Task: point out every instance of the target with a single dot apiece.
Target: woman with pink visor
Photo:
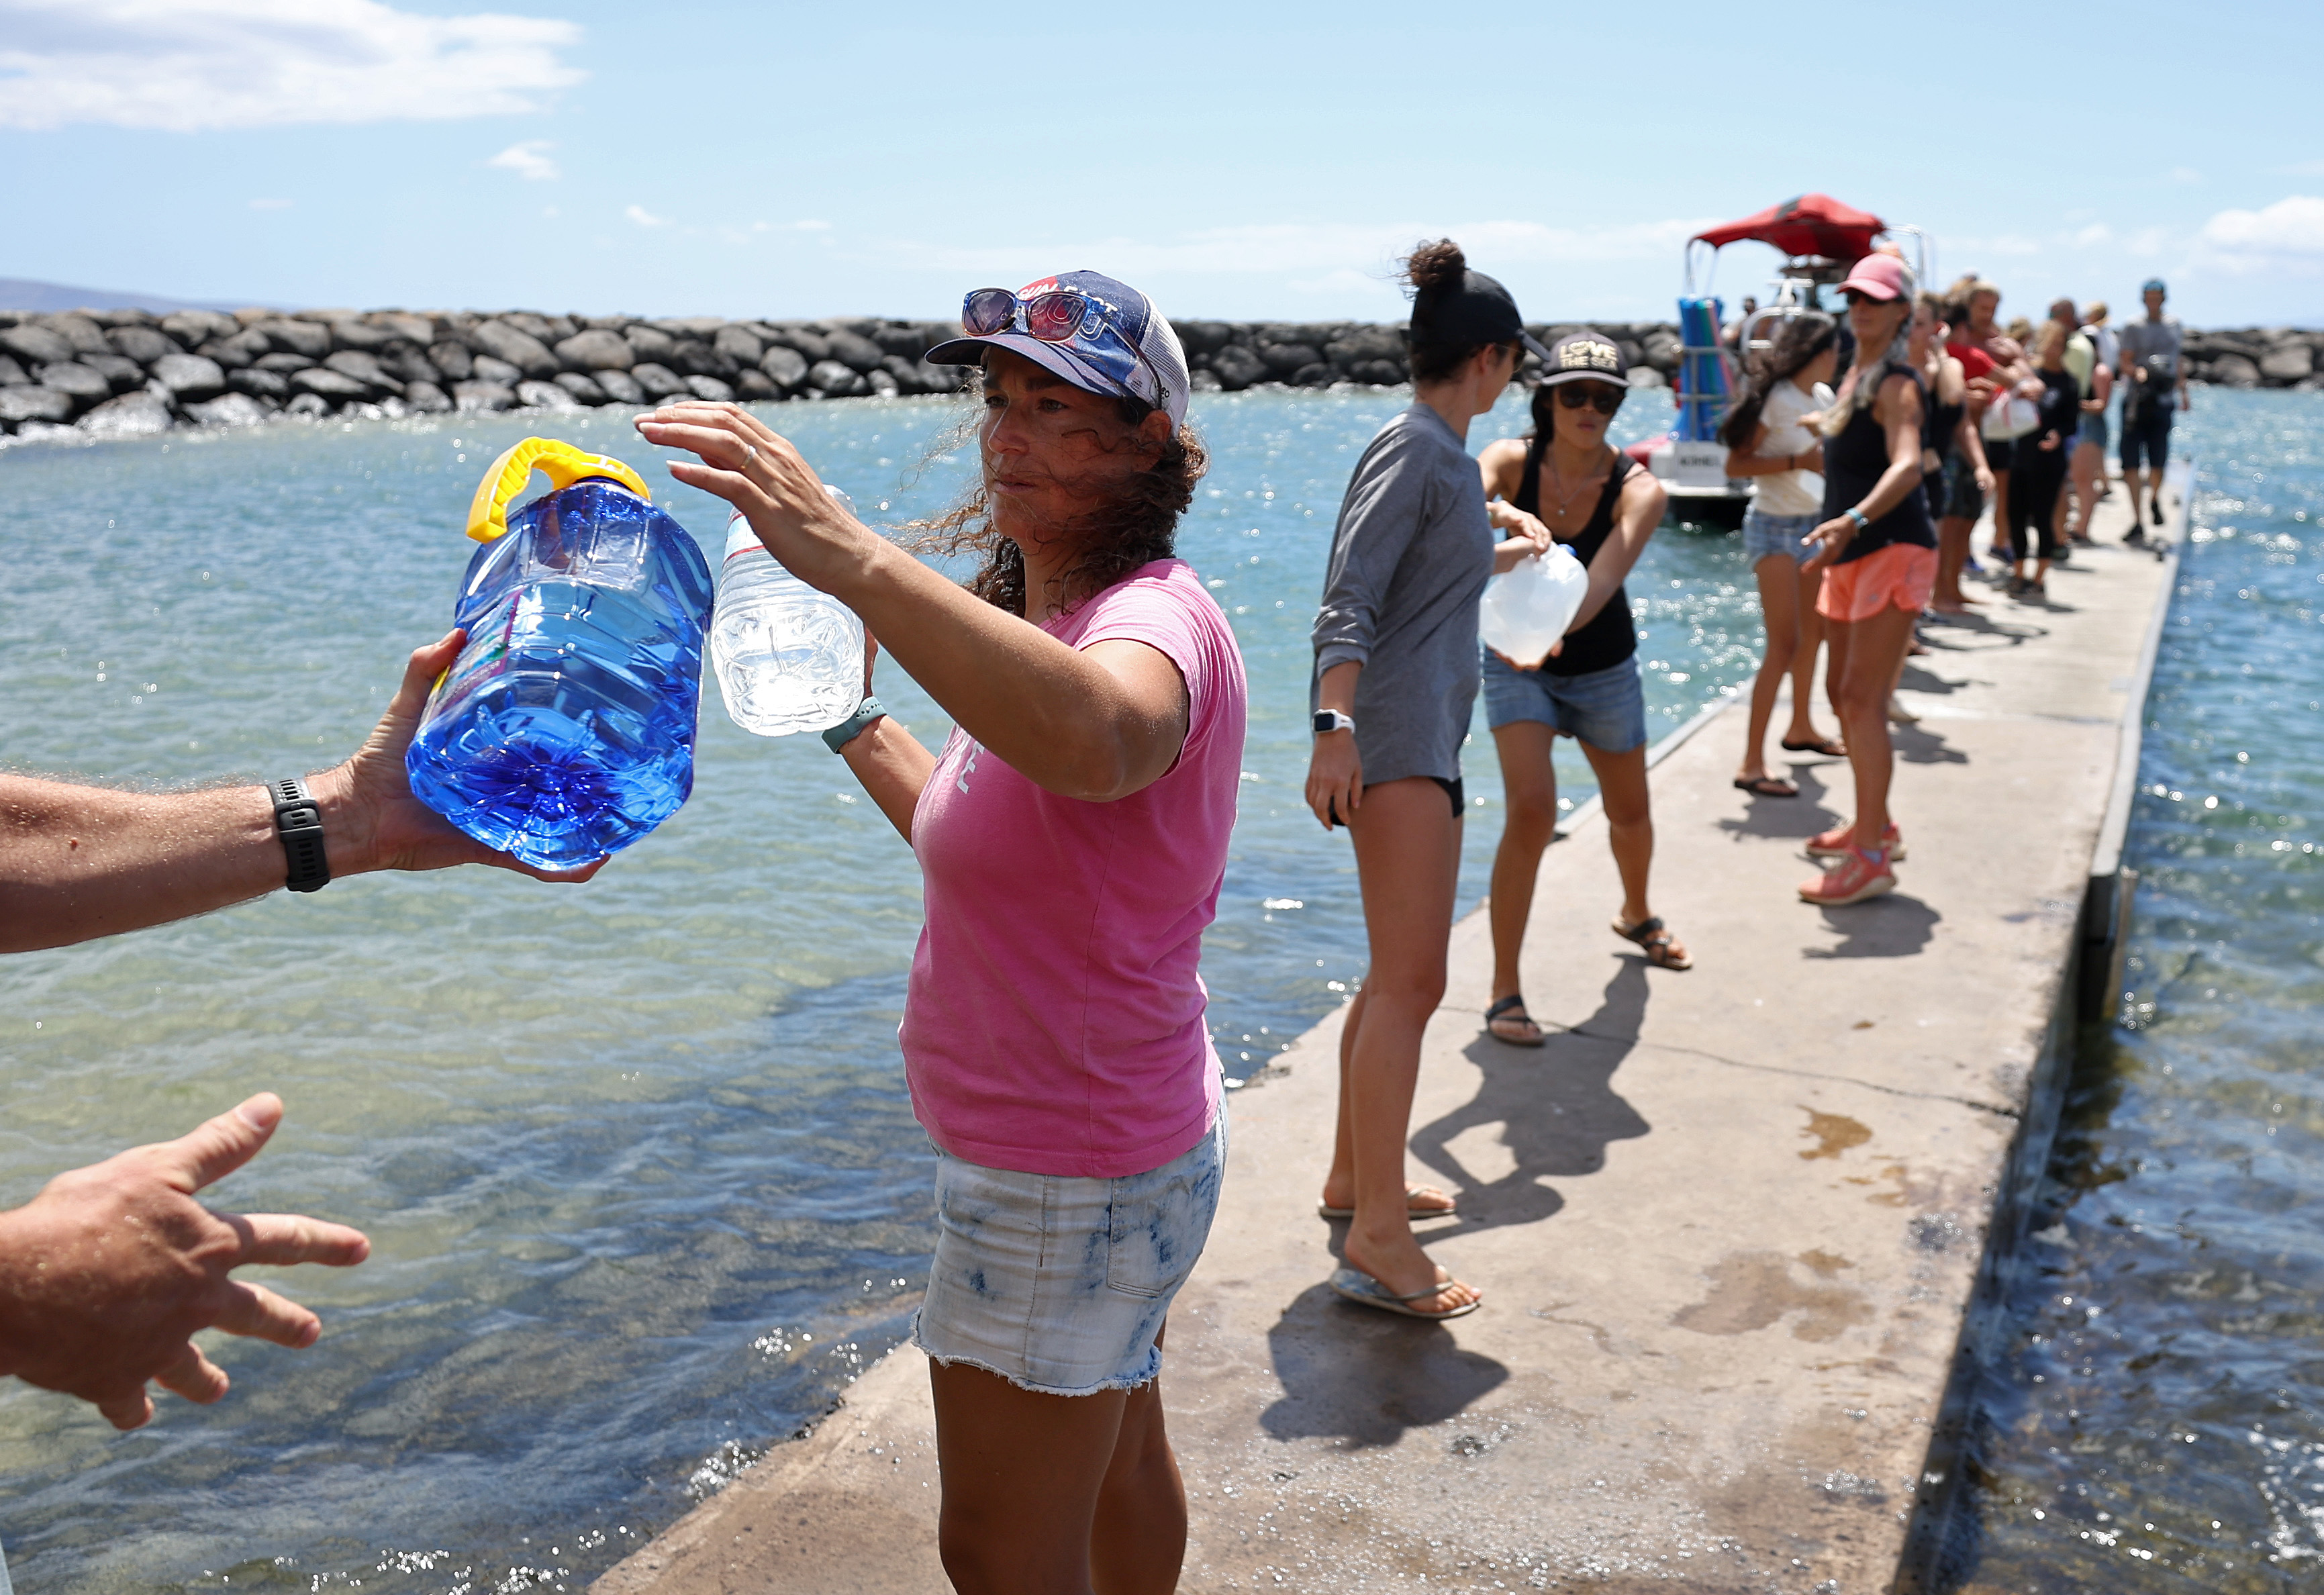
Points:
(1072, 834)
(1878, 555)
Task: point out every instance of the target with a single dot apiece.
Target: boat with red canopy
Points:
(1819, 239)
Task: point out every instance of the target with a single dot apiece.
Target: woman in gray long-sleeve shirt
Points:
(1396, 675)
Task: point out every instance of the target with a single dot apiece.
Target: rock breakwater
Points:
(123, 372)
(104, 373)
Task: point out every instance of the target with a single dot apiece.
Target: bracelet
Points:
(855, 724)
(1858, 516)
(300, 824)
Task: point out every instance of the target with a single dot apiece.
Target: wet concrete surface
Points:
(1726, 1221)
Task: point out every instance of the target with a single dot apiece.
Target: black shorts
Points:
(1962, 501)
(2000, 453)
(2145, 429)
(1456, 789)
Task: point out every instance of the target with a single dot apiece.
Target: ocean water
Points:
(643, 1187)
(2158, 1423)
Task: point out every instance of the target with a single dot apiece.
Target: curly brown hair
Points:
(1136, 525)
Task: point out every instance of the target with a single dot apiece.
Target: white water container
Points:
(1528, 607)
(788, 658)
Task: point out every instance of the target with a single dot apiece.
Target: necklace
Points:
(1549, 460)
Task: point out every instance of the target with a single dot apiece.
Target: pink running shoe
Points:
(1836, 842)
(1854, 877)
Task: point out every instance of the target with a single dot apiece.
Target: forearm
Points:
(1760, 464)
(77, 862)
(894, 768)
(1901, 477)
(1048, 710)
(1337, 689)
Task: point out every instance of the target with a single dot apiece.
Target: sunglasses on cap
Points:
(1600, 398)
(1061, 316)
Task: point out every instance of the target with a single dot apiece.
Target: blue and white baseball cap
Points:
(1099, 334)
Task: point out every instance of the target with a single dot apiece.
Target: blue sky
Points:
(1233, 160)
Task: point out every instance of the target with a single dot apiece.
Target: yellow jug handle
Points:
(559, 461)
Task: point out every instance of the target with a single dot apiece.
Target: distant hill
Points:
(18, 293)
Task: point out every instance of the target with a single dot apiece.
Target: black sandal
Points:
(1766, 786)
(1513, 1010)
(1658, 943)
(1821, 745)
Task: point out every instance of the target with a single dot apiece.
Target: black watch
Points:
(1332, 720)
(300, 824)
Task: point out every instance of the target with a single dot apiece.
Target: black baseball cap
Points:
(1586, 356)
(1479, 311)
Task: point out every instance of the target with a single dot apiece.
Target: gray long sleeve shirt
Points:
(1409, 563)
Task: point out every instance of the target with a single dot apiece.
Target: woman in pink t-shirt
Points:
(1073, 834)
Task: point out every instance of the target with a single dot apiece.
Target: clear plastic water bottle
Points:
(788, 658)
(565, 730)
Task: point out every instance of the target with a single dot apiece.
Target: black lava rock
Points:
(144, 344)
(25, 402)
(427, 398)
(659, 381)
(550, 396)
(648, 342)
(1284, 360)
(739, 344)
(453, 358)
(784, 366)
(189, 377)
(365, 369)
(295, 338)
(228, 409)
(132, 415)
(244, 349)
(835, 380)
(1202, 339)
(412, 366)
(596, 349)
(284, 364)
(808, 341)
(259, 383)
(121, 370)
(620, 386)
(1321, 375)
(487, 368)
(35, 345)
(854, 351)
(583, 390)
(519, 348)
(710, 390)
(1237, 367)
(84, 384)
(327, 383)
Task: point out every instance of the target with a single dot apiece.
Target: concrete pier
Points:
(1729, 1222)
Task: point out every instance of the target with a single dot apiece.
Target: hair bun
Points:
(1437, 265)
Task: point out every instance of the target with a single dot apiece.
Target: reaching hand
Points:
(109, 1273)
(1831, 538)
(754, 468)
(371, 820)
(1335, 778)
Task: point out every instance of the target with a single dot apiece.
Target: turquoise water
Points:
(643, 1184)
(2159, 1422)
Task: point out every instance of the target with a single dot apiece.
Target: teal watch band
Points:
(1858, 516)
(854, 725)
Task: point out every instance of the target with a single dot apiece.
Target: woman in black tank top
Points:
(1879, 560)
(1598, 501)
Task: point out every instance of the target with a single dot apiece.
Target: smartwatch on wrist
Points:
(299, 825)
(1332, 720)
(855, 724)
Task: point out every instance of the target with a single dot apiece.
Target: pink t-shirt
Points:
(1054, 1021)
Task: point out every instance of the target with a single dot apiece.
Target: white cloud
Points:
(644, 217)
(528, 160)
(2288, 233)
(185, 65)
(271, 204)
(2091, 237)
(2184, 174)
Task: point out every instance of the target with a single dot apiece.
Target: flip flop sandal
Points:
(1822, 744)
(1650, 935)
(1513, 1008)
(1766, 786)
(1365, 1291)
(1411, 1210)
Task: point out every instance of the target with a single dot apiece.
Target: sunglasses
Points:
(1062, 316)
(1600, 398)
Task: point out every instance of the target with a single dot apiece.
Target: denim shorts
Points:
(1604, 708)
(1058, 1284)
(2093, 429)
(1777, 534)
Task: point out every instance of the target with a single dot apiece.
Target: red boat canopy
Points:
(1813, 224)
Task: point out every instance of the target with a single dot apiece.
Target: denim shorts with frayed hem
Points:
(1057, 1284)
(1777, 534)
(1605, 709)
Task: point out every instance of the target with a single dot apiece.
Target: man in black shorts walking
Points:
(2155, 385)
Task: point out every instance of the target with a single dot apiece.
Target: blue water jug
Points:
(565, 729)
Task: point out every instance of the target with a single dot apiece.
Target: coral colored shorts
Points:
(1902, 574)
